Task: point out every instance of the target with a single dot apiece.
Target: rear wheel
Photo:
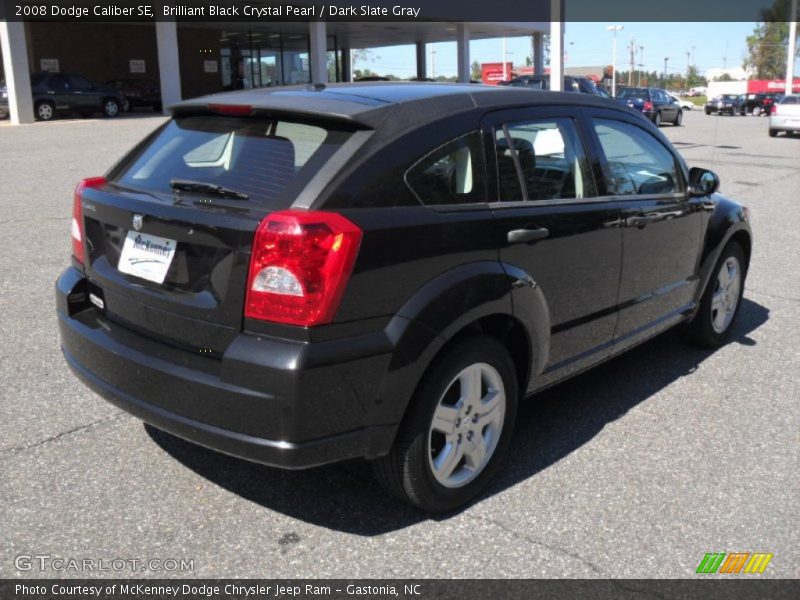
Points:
(45, 111)
(719, 306)
(457, 428)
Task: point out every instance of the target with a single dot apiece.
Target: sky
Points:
(589, 44)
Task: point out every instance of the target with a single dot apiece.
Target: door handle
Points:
(641, 220)
(521, 236)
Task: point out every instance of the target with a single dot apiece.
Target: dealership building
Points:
(190, 59)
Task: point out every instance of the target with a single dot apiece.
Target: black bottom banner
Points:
(389, 589)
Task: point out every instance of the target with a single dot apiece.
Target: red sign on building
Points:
(775, 86)
(493, 73)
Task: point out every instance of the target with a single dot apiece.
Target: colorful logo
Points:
(734, 562)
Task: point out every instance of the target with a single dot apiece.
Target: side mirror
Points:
(702, 182)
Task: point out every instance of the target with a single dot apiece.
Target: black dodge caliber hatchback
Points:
(384, 270)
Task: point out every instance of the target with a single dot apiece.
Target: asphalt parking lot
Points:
(635, 469)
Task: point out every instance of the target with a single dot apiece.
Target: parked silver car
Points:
(785, 116)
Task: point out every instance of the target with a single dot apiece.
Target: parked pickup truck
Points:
(785, 116)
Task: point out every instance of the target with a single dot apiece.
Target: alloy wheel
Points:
(726, 294)
(45, 112)
(466, 425)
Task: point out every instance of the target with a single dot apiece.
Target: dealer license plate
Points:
(146, 256)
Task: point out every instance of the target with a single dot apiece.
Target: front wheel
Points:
(457, 428)
(110, 107)
(678, 119)
(757, 111)
(719, 306)
(45, 111)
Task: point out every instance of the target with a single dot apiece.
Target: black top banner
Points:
(263, 11)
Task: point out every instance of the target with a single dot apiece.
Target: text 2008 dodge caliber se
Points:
(383, 271)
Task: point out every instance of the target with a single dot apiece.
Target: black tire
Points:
(45, 111)
(701, 329)
(657, 119)
(773, 133)
(708, 112)
(110, 108)
(678, 119)
(406, 472)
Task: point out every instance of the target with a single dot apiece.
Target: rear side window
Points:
(541, 160)
(256, 156)
(638, 163)
(451, 174)
(790, 100)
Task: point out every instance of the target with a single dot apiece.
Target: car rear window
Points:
(639, 93)
(259, 157)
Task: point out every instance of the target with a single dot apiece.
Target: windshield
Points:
(630, 93)
(257, 157)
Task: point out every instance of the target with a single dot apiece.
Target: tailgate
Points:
(168, 237)
(199, 303)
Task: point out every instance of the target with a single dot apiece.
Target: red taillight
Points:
(77, 215)
(648, 106)
(232, 110)
(299, 266)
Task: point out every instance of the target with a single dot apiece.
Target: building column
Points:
(347, 65)
(422, 61)
(462, 48)
(318, 51)
(18, 78)
(169, 69)
(538, 53)
(556, 46)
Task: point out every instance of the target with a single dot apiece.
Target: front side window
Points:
(79, 84)
(451, 174)
(541, 160)
(638, 163)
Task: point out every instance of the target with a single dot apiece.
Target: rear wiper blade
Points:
(187, 185)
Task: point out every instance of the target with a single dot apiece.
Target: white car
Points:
(684, 104)
(785, 116)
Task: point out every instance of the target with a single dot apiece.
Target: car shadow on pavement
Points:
(550, 426)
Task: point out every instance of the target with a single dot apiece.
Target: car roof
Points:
(369, 104)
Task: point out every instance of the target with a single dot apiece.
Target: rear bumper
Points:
(273, 401)
(784, 123)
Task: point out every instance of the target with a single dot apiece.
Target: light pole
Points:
(505, 73)
(614, 29)
(791, 50)
(641, 64)
(664, 85)
(433, 63)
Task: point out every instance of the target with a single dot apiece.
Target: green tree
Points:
(766, 47)
(723, 77)
(476, 70)
(694, 79)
